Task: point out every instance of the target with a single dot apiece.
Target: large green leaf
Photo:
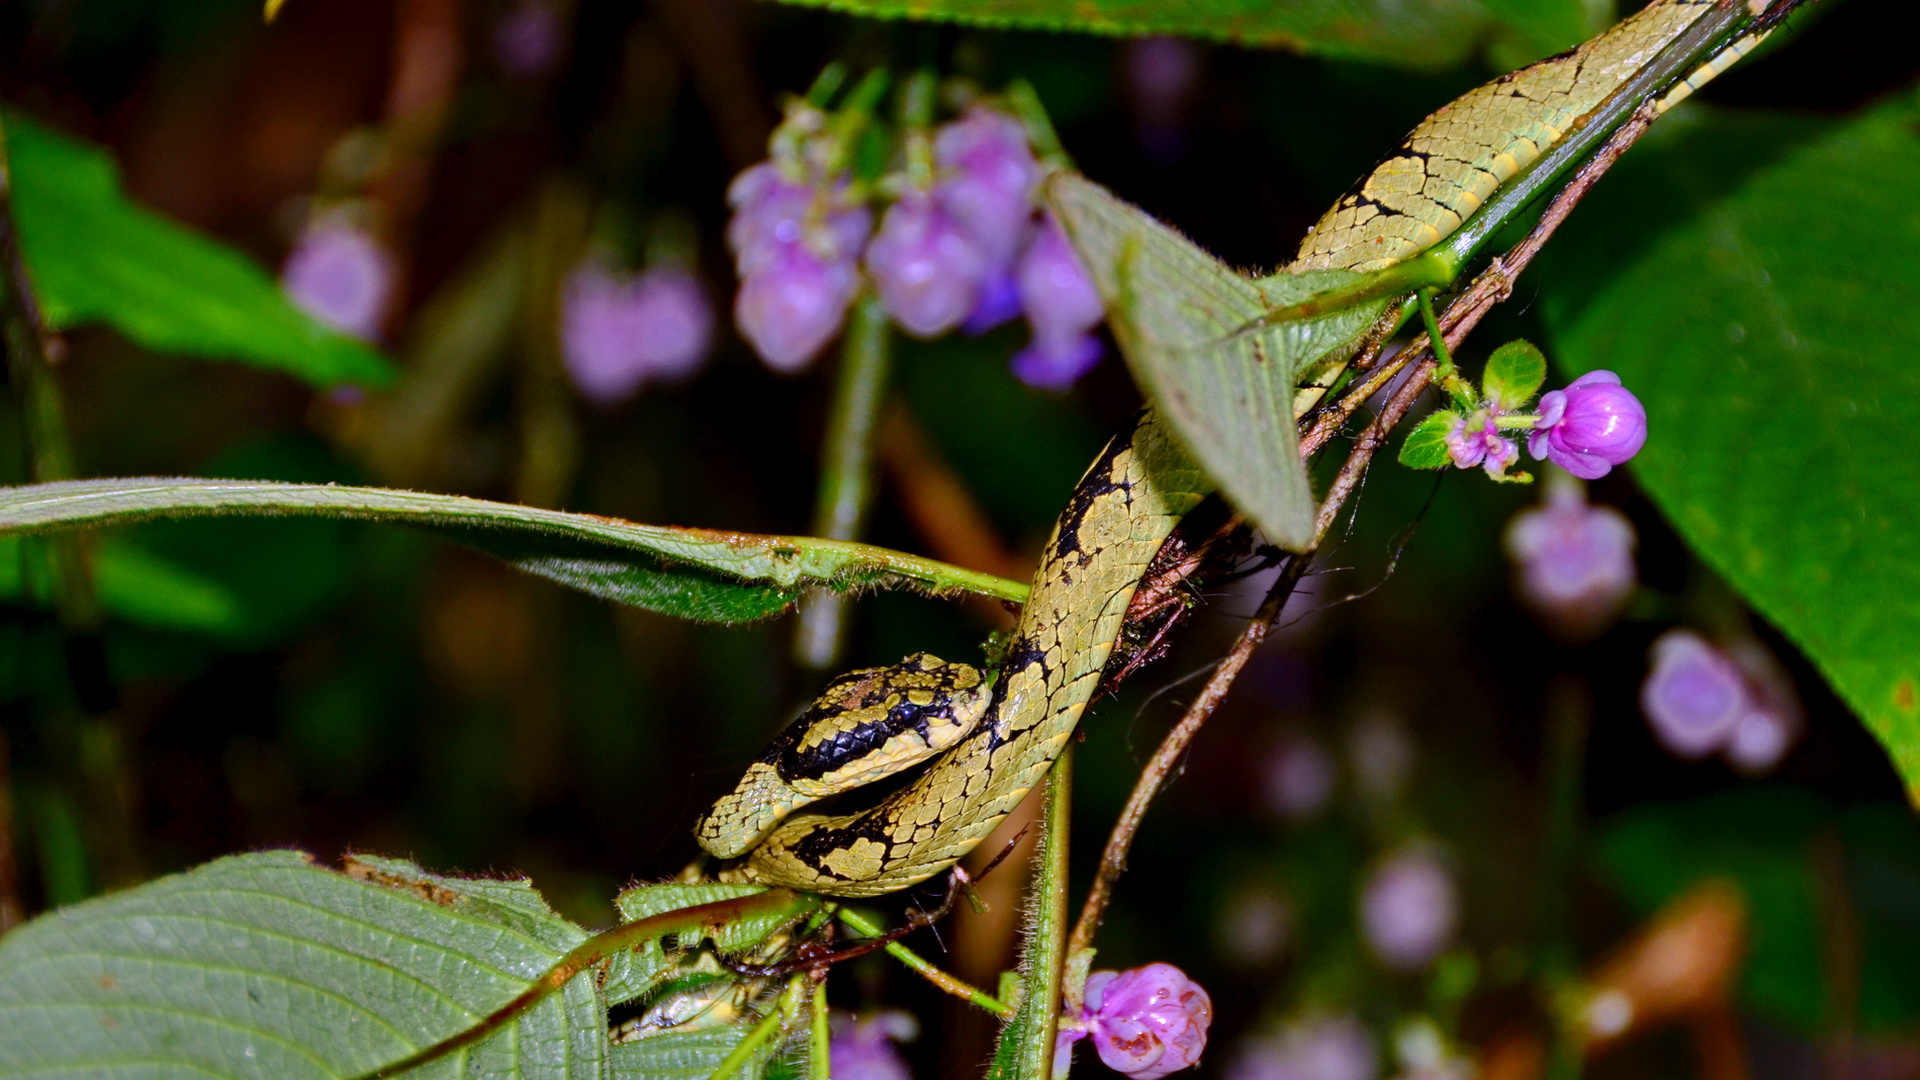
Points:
(701, 574)
(1181, 318)
(95, 256)
(266, 965)
(1750, 276)
(1414, 33)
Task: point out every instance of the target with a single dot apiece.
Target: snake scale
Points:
(990, 742)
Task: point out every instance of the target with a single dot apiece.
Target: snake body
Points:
(986, 756)
(1120, 513)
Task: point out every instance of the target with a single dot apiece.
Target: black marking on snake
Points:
(818, 846)
(1097, 485)
(818, 759)
(1022, 655)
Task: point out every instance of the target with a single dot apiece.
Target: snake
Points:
(986, 740)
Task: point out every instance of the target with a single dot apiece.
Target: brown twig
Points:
(1460, 318)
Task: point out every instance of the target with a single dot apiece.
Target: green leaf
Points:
(701, 574)
(96, 256)
(131, 583)
(1744, 278)
(1514, 374)
(1414, 33)
(266, 965)
(1183, 320)
(1425, 446)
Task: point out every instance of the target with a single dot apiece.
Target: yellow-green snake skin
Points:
(1121, 512)
(1130, 500)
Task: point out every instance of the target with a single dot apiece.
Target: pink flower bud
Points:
(1575, 559)
(1147, 1022)
(1694, 696)
(1409, 909)
(1591, 426)
(341, 276)
(927, 271)
(792, 304)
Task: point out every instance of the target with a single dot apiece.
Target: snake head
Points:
(865, 726)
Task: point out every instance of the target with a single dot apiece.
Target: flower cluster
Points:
(620, 331)
(1145, 1022)
(1701, 700)
(1575, 558)
(1586, 429)
(963, 244)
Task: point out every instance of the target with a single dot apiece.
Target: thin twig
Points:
(1459, 320)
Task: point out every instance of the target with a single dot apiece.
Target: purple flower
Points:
(619, 331)
(1700, 699)
(1299, 778)
(526, 40)
(1475, 441)
(1057, 363)
(1575, 559)
(1062, 310)
(989, 178)
(1146, 1022)
(863, 1049)
(794, 246)
(927, 271)
(792, 304)
(341, 276)
(998, 302)
(1591, 426)
(1409, 909)
(1056, 292)
(1316, 1048)
(1694, 697)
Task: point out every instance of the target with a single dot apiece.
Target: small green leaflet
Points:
(1426, 445)
(703, 574)
(1514, 374)
(1183, 320)
(96, 256)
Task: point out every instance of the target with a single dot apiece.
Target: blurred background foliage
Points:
(338, 686)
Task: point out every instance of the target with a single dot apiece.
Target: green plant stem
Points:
(762, 1031)
(959, 988)
(698, 919)
(846, 476)
(1026, 1051)
(819, 1036)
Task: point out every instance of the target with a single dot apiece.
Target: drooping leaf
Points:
(637, 972)
(1514, 374)
(1425, 446)
(1182, 318)
(1742, 274)
(96, 256)
(267, 965)
(701, 574)
(1419, 33)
